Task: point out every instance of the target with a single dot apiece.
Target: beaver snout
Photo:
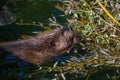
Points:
(69, 29)
(68, 33)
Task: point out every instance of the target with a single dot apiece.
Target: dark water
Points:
(30, 12)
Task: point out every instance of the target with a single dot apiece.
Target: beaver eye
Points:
(52, 43)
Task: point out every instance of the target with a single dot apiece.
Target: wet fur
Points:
(43, 47)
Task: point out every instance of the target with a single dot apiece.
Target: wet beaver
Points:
(43, 47)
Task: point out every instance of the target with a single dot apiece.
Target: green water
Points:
(32, 12)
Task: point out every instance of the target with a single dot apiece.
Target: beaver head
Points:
(43, 47)
(58, 40)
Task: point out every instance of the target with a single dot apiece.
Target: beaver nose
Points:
(69, 28)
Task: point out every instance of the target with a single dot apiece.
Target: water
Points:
(29, 12)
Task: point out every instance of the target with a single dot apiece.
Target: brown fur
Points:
(41, 48)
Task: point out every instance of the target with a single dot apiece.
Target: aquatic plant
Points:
(97, 22)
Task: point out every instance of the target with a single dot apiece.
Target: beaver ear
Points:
(52, 43)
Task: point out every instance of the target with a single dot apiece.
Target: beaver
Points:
(43, 47)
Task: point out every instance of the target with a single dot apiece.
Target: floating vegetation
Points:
(96, 24)
(99, 30)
